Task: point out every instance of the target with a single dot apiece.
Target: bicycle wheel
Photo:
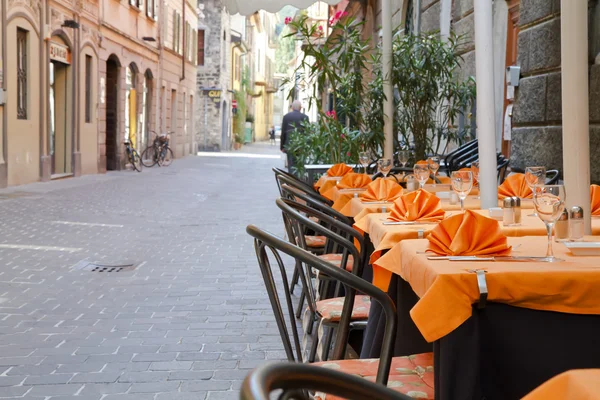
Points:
(136, 161)
(148, 158)
(166, 157)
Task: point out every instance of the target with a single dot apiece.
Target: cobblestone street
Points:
(187, 323)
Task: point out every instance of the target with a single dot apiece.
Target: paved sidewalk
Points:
(187, 323)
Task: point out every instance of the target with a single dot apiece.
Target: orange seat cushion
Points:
(331, 309)
(336, 259)
(315, 241)
(411, 375)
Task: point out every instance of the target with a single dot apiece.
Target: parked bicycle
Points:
(158, 152)
(133, 156)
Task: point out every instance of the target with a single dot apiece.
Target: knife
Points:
(491, 258)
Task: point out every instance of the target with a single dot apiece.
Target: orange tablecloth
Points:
(447, 290)
(341, 197)
(384, 237)
(579, 384)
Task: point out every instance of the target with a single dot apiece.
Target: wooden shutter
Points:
(200, 47)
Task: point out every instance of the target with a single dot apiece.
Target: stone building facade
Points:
(526, 34)
(213, 105)
(79, 77)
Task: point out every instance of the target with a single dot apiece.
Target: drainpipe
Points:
(418, 17)
(184, 42)
(158, 85)
(44, 89)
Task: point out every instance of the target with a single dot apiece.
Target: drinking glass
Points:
(384, 166)
(364, 159)
(475, 171)
(462, 183)
(434, 166)
(549, 202)
(421, 173)
(403, 157)
(535, 176)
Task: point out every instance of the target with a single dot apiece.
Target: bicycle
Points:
(133, 156)
(158, 152)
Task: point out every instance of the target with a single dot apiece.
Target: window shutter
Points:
(200, 47)
(174, 30)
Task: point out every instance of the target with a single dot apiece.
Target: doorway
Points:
(225, 127)
(60, 132)
(112, 109)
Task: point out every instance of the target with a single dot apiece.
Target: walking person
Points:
(272, 135)
(292, 120)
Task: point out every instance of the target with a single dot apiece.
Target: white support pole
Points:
(445, 18)
(388, 102)
(575, 106)
(486, 121)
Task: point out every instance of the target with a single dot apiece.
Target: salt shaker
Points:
(517, 210)
(508, 215)
(561, 228)
(576, 227)
(453, 198)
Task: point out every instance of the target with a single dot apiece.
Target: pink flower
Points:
(288, 20)
(331, 22)
(345, 13)
(348, 154)
(343, 136)
(338, 15)
(321, 28)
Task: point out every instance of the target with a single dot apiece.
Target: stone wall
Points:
(537, 116)
(213, 74)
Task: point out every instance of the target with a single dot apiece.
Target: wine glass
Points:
(364, 159)
(475, 171)
(535, 176)
(384, 165)
(434, 166)
(403, 157)
(549, 202)
(422, 173)
(462, 183)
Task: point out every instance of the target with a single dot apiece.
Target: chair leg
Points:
(315, 343)
(295, 279)
(328, 340)
(300, 304)
(325, 339)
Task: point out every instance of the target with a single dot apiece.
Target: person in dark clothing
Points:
(272, 135)
(292, 120)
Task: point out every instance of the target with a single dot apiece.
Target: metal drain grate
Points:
(85, 265)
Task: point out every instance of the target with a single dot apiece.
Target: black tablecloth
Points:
(502, 352)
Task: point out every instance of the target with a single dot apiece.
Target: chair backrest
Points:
(552, 177)
(305, 186)
(465, 151)
(502, 169)
(293, 183)
(297, 379)
(289, 192)
(265, 241)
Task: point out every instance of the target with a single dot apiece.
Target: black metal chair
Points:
(298, 380)
(324, 304)
(289, 192)
(281, 179)
(265, 244)
(305, 186)
(453, 160)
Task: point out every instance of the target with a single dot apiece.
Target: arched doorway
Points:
(112, 112)
(60, 108)
(225, 128)
(148, 89)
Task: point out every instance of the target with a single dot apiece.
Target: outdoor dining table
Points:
(539, 320)
(356, 208)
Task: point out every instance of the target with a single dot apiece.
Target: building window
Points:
(200, 47)
(150, 8)
(22, 36)
(185, 121)
(136, 3)
(176, 32)
(88, 88)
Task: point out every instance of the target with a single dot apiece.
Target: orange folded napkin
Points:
(382, 190)
(419, 205)
(515, 185)
(468, 234)
(339, 170)
(595, 194)
(354, 181)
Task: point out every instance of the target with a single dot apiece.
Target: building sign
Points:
(60, 53)
(215, 95)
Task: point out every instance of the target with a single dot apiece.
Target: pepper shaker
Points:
(508, 213)
(561, 228)
(576, 227)
(517, 210)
